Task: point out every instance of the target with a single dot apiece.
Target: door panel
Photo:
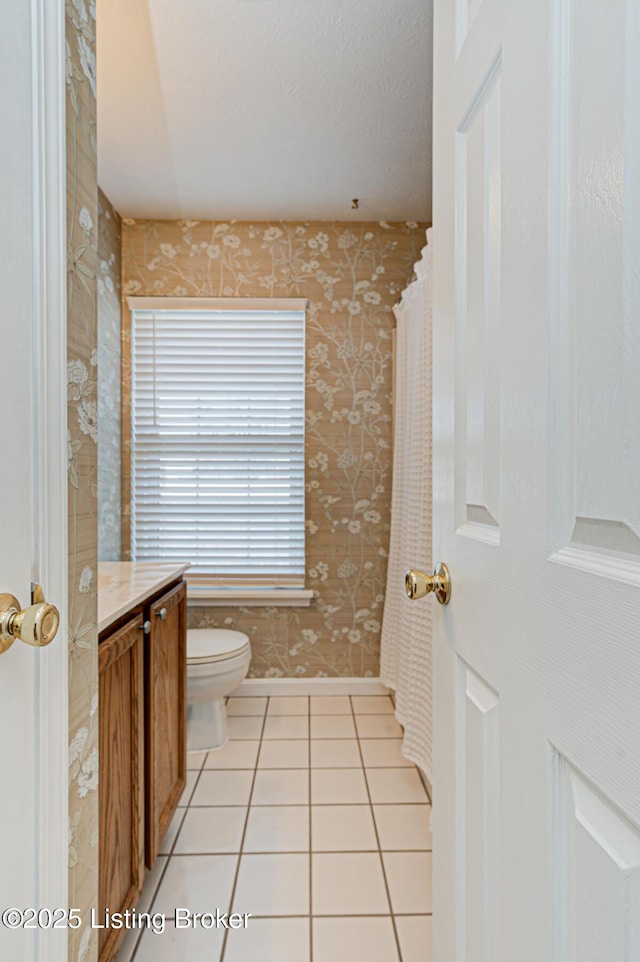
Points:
(465, 15)
(479, 804)
(166, 714)
(594, 244)
(597, 862)
(478, 223)
(536, 480)
(121, 786)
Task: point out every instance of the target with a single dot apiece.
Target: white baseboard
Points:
(310, 686)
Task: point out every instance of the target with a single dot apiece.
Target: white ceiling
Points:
(265, 109)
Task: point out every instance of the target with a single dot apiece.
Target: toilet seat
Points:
(212, 645)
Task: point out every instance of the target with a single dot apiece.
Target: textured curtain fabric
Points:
(406, 662)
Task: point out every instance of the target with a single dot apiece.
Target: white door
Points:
(536, 505)
(33, 516)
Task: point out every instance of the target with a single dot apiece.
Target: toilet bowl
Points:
(217, 662)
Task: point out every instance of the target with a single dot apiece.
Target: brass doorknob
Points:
(36, 625)
(417, 584)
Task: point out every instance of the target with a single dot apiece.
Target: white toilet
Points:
(217, 662)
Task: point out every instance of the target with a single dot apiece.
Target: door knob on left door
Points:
(417, 584)
(36, 625)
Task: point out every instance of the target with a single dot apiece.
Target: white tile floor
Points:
(311, 820)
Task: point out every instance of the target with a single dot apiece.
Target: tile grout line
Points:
(300, 851)
(170, 854)
(244, 831)
(164, 870)
(261, 741)
(302, 804)
(348, 915)
(375, 829)
(150, 909)
(188, 805)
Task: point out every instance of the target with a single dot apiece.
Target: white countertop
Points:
(124, 584)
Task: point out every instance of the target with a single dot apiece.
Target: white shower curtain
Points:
(406, 663)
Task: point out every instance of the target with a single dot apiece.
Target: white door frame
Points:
(50, 360)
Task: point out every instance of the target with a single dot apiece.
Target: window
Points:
(217, 438)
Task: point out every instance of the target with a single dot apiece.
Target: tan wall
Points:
(82, 219)
(352, 273)
(109, 381)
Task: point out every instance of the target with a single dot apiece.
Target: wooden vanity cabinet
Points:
(121, 781)
(165, 715)
(142, 743)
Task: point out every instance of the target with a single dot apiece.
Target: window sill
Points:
(209, 596)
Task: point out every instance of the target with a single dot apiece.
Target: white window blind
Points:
(217, 457)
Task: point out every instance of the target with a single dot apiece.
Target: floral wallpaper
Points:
(82, 243)
(109, 381)
(352, 273)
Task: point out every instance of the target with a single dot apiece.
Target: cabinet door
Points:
(121, 786)
(166, 714)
